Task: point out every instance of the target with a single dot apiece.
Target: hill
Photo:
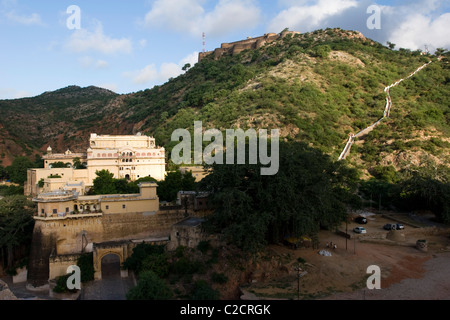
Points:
(62, 118)
(316, 87)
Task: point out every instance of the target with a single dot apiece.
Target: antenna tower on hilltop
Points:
(204, 42)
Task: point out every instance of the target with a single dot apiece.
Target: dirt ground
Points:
(406, 272)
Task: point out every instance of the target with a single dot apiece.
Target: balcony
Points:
(64, 216)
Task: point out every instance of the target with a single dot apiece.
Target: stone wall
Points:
(70, 236)
(237, 47)
(58, 264)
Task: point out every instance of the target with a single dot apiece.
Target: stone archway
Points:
(111, 254)
(110, 265)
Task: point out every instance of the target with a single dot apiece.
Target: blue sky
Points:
(127, 46)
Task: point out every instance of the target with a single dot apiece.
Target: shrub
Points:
(301, 260)
(61, 285)
(150, 287)
(219, 278)
(184, 266)
(203, 291)
(204, 246)
(86, 264)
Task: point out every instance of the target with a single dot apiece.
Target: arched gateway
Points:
(110, 256)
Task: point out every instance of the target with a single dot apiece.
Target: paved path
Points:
(387, 112)
(109, 288)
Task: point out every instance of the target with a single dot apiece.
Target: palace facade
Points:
(127, 157)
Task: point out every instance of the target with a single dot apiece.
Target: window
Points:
(107, 207)
(55, 211)
(124, 206)
(42, 211)
(67, 210)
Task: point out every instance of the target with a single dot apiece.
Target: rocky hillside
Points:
(317, 87)
(62, 118)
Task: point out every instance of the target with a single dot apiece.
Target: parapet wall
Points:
(237, 47)
(69, 237)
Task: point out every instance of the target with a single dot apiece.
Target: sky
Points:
(128, 46)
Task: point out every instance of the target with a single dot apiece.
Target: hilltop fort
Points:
(237, 47)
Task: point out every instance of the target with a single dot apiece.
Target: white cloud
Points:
(10, 93)
(89, 62)
(307, 17)
(83, 40)
(101, 64)
(190, 16)
(33, 19)
(418, 30)
(145, 75)
(143, 43)
(151, 74)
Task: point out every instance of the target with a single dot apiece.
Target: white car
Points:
(359, 230)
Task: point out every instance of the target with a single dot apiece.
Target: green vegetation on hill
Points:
(181, 274)
(317, 87)
(26, 124)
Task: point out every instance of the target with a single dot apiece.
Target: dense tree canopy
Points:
(150, 287)
(309, 192)
(173, 183)
(17, 172)
(105, 183)
(16, 224)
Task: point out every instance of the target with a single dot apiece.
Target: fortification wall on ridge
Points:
(237, 47)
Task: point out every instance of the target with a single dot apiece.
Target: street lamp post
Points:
(299, 275)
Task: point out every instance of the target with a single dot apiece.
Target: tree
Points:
(309, 192)
(77, 164)
(60, 164)
(86, 264)
(440, 51)
(391, 45)
(18, 170)
(16, 224)
(203, 291)
(104, 183)
(149, 287)
(322, 51)
(141, 252)
(186, 67)
(173, 183)
(3, 173)
(427, 188)
(38, 162)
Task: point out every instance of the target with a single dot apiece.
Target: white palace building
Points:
(127, 157)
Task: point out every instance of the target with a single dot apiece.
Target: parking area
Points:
(376, 222)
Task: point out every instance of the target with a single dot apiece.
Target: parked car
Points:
(400, 226)
(391, 226)
(361, 220)
(359, 230)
